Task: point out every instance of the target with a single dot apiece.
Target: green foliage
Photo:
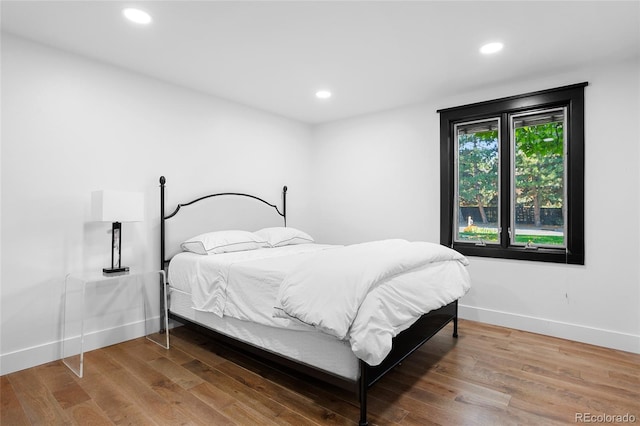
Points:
(478, 168)
(475, 233)
(547, 240)
(541, 140)
(540, 165)
(491, 235)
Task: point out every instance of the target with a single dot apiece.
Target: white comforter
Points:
(364, 293)
(242, 285)
(370, 292)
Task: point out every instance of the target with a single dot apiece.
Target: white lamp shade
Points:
(117, 206)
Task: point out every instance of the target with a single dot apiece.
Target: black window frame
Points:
(571, 97)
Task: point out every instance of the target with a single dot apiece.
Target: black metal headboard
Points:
(163, 217)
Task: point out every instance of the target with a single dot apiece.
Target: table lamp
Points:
(117, 207)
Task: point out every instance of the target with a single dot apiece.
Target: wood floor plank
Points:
(116, 404)
(159, 359)
(11, 412)
(489, 375)
(196, 351)
(596, 387)
(38, 402)
(56, 376)
(247, 396)
(62, 384)
(174, 354)
(186, 405)
(140, 394)
(577, 371)
(559, 392)
(334, 399)
(464, 410)
(297, 401)
(182, 377)
(88, 413)
(585, 351)
(421, 408)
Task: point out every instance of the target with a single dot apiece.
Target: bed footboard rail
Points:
(404, 344)
(407, 342)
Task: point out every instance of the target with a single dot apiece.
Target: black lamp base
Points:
(116, 249)
(110, 271)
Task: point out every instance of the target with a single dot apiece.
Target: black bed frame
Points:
(404, 344)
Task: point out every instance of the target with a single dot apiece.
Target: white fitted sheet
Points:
(309, 346)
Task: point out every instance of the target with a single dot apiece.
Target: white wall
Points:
(380, 178)
(71, 126)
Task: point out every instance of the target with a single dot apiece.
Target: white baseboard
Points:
(42, 354)
(52, 351)
(580, 333)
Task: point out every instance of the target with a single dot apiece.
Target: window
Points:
(512, 177)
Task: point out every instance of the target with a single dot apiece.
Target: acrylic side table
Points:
(101, 310)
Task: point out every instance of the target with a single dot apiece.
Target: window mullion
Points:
(505, 195)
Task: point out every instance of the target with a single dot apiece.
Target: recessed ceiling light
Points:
(490, 48)
(136, 15)
(323, 94)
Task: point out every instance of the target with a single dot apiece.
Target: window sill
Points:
(520, 253)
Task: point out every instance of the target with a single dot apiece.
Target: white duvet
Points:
(364, 293)
(241, 285)
(369, 292)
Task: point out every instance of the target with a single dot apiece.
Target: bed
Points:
(342, 314)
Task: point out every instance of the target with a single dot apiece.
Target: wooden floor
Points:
(488, 376)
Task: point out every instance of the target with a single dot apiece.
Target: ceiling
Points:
(372, 55)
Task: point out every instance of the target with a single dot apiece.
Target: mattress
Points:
(306, 346)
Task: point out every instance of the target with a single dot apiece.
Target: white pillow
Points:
(223, 242)
(279, 236)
